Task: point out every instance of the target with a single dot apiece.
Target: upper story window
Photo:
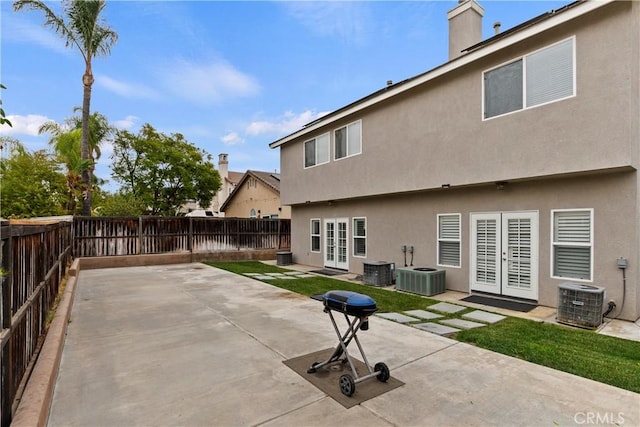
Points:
(347, 140)
(316, 151)
(543, 76)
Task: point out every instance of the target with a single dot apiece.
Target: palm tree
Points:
(66, 141)
(81, 26)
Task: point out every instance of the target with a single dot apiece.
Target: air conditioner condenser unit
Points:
(580, 305)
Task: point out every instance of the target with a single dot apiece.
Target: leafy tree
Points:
(3, 117)
(162, 171)
(117, 204)
(82, 26)
(32, 184)
(66, 140)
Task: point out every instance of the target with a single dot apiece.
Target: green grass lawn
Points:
(602, 358)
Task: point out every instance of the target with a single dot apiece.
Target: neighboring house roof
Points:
(234, 177)
(269, 179)
(498, 42)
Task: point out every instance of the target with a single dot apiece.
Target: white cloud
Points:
(126, 123)
(23, 125)
(232, 138)
(289, 122)
(209, 83)
(18, 29)
(125, 89)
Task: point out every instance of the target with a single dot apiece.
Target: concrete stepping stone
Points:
(294, 273)
(253, 274)
(462, 324)
(423, 314)
(483, 316)
(436, 328)
(397, 317)
(275, 274)
(445, 307)
(264, 277)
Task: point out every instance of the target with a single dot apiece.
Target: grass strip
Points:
(602, 358)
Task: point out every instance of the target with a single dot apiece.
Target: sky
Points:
(231, 76)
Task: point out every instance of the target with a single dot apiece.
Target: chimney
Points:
(465, 26)
(223, 166)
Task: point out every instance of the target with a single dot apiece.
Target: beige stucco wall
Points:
(259, 197)
(436, 135)
(412, 220)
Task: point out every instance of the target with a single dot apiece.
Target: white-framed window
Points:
(348, 140)
(360, 237)
(543, 76)
(316, 151)
(449, 233)
(315, 234)
(572, 244)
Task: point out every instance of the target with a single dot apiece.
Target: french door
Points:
(504, 254)
(336, 239)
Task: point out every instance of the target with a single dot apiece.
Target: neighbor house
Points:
(513, 166)
(228, 181)
(257, 195)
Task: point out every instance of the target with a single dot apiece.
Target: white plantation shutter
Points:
(486, 241)
(519, 246)
(572, 244)
(359, 237)
(449, 240)
(550, 73)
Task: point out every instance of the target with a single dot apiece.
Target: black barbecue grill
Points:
(359, 307)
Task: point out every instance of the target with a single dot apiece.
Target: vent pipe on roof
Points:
(465, 26)
(496, 27)
(389, 82)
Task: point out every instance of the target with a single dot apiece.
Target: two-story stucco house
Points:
(513, 166)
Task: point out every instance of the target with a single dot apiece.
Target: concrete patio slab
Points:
(484, 316)
(462, 324)
(423, 314)
(446, 307)
(195, 346)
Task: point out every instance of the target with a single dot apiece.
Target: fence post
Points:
(139, 235)
(6, 371)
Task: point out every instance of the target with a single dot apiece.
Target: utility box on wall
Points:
(580, 305)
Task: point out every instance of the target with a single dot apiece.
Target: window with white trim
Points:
(541, 77)
(572, 244)
(347, 140)
(316, 151)
(315, 235)
(449, 240)
(360, 237)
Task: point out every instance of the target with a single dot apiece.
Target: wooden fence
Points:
(36, 257)
(102, 236)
